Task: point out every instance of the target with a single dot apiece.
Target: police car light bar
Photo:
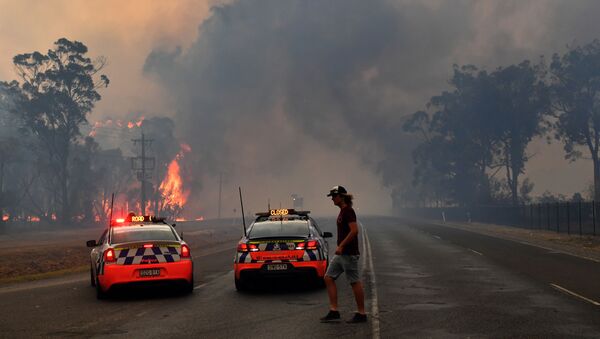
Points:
(138, 219)
(282, 212)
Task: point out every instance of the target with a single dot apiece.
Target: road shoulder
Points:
(587, 247)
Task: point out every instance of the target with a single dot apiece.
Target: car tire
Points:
(319, 282)
(240, 285)
(92, 279)
(189, 287)
(100, 294)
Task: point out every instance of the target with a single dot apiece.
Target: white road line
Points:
(472, 250)
(199, 286)
(374, 302)
(571, 293)
(435, 236)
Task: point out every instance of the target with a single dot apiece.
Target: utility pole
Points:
(144, 167)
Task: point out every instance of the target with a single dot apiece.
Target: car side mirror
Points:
(91, 243)
(327, 235)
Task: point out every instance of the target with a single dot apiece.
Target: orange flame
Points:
(172, 186)
(115, 123)
(148, 209)
(5, 217)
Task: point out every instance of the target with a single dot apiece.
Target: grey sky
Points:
(296, 96)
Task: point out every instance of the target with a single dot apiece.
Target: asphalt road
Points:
(421, 280)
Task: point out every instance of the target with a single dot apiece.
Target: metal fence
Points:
(563, 217)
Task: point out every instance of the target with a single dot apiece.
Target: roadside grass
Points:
(45, 275)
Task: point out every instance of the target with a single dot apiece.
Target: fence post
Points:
(568, 219)
(531, 216)
(579, 217)
(548, 215)
(594, 215)
(557, 217)
(540, 215)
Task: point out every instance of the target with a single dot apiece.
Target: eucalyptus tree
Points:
(58, 91)
(458, 147)
(575, 83)
(10, 146)
(521, 102)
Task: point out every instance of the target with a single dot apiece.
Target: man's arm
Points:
(353, 233)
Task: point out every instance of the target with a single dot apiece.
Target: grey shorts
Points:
(344, 264)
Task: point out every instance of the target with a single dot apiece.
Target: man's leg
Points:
(359, 296)
(332, 292)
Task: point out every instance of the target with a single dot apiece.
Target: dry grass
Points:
(41, 255)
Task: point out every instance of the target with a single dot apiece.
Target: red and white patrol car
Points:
(139, 249)
(281, 243)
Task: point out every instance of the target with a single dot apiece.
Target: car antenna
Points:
(112, 202)
(243, 217)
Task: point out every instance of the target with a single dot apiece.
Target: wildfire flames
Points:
(172, 190)
(115, 123)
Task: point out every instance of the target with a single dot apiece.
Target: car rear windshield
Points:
(292, 228)
(142, 233)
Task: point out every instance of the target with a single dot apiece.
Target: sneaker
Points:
(358, 318)
(332, 315)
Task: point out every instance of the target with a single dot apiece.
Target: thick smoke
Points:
(296, 96)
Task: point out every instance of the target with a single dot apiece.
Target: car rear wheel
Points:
(240, 285)
(189, 287)
(92, 279)
(100, 294)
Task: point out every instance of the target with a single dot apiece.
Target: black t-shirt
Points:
(344, 219)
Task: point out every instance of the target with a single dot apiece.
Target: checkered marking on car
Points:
(309, 255)
(151, 255)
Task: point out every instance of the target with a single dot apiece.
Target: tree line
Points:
(473, 137)
(49, 170)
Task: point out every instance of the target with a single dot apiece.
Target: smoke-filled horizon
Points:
(293, 97)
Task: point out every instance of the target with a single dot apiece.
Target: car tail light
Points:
(243, 247)
(109, 255)
(300, 245)
(185, 251)
(148, 245)
(312, 245)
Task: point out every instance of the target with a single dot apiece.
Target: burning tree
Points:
(171, 189)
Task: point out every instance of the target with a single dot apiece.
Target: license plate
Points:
(277, 267)
(150, 272)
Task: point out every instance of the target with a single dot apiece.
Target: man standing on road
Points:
(345, 259)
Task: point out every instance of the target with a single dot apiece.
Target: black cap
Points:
(337, 190)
